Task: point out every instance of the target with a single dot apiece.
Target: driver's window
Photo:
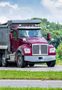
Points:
(22, 33)
(15, 35)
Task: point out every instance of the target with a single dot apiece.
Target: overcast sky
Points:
(25, 9)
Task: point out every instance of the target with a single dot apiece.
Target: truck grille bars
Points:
(39, 49)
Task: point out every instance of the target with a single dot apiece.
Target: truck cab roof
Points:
(24, 21)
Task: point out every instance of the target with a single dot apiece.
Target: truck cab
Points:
(29, 45)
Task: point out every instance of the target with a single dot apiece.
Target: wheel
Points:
(51, 63)
(4, 62)
(0, 60)
(20, 60)
(31, 64)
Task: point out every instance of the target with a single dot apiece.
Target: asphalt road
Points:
(35, 68)
(31, 83)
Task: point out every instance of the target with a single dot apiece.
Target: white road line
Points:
(35, 68)
(31, 83)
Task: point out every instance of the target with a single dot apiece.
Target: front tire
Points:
(51, 63)
(20, 60)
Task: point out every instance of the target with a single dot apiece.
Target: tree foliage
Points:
(55, 29)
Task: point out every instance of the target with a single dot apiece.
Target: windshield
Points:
(29, 33)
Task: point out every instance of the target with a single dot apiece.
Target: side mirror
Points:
(48, 36)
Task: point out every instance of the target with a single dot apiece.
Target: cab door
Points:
(14, 41)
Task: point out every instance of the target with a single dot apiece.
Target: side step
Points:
(11, 57)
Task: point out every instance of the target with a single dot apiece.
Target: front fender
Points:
(21, 49)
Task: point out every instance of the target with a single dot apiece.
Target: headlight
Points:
(52, 50)
(26, 50)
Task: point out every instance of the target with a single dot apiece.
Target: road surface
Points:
(31, 83)
(35, 68)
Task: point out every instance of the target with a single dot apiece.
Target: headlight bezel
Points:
(27, 50)
(52, 50)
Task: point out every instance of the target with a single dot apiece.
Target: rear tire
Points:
(20, 60)
(51, 63)
(0, 60)
(0, 64)
(4, 61)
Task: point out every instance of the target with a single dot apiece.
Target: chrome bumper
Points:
(39, 58)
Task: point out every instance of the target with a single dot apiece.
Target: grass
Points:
(58, 62)
(13, 74)
(8, 88)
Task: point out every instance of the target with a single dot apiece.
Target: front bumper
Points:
(40, 58)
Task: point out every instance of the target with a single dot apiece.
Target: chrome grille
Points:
(43, 49)
(39, 49)
(35, 49)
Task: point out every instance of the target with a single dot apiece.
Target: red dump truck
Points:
(21, 41)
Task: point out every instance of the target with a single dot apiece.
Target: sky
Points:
(27, 9)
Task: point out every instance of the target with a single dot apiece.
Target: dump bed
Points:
(4, 36)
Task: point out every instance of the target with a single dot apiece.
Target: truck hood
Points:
(35, 40)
